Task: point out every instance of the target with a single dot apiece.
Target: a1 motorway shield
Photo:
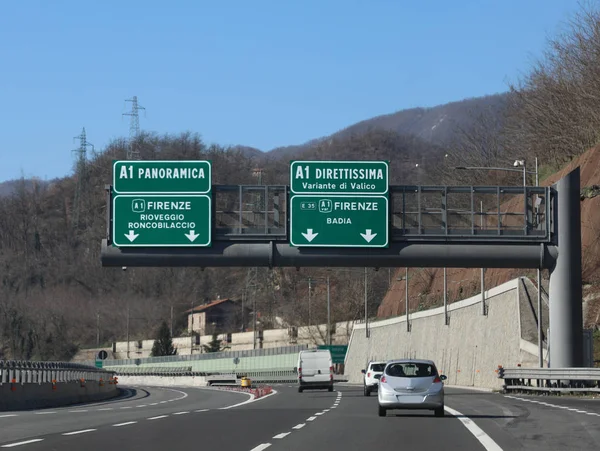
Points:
(146, 220)
(339, 221)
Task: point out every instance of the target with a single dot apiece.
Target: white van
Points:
(315, 370)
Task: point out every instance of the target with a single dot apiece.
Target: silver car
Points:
(411, 384)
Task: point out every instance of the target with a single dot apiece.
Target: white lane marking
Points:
(158, 417)
(326, 410)
(9, 415)
(319, 413)
(185, 395)
(570, 409)
(106, 408)
(154, 404)
(299, 426)
(141, 405)
(478, 433)
(311, 419)
(77, 411)
(124, 424)
(83, 431)
(162, 402)
(26, 442)
(126, 407)
(201, 410)
(180, 413)
(261, 447)
(252, 399)
(44, 413)
(282, 435)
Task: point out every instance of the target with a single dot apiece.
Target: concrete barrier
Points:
(164, 381)
(16, 396)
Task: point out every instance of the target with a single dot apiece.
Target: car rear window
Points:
(377, 367)
(410, 369)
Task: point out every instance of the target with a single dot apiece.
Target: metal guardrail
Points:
(30, 372)
(562, 380)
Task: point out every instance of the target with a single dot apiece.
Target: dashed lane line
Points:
(261, 447)
(26, 442)
(311, 419)
(44, 413)
(180, 413)
(124, 424)
(201, 410)
(299, 426)
(8, 415)
(77, 411)
(282, 435)
(158, 417)
(83, 431)
(106, 408)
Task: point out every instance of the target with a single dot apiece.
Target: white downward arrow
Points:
(309, 235)
(192, 235)
(368, 236)
(131, 235)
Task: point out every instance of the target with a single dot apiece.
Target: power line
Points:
(133, 152)
(80, 174)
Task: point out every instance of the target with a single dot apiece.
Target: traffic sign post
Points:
(339, 204)
(339, 221)
(142, 220)
(162, 177)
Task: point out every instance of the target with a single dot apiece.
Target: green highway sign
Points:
(162, 177)
(338, 221)
(339, 177)
(338, 352)
(148, 220)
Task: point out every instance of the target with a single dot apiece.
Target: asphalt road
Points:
(192, 418)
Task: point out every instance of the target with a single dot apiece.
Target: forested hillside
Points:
(55, 296)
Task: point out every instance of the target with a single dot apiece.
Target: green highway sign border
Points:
(337, 162)
(163, 162)
(327, 195)
(191, 244)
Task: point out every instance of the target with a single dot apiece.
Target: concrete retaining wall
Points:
(164, 381)
(468, 350)
(36, 396)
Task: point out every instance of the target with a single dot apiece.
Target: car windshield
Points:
(411, 369)
(377, 367)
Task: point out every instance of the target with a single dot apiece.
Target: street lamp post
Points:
(406, 298)
(328, 315)
(445, 298)
(366, 308)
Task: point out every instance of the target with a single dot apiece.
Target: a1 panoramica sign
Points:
(162, 203)
(339, 203)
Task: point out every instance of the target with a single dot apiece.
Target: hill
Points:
(440, 125)
(426, 286)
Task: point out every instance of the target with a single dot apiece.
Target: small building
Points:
(218, 316)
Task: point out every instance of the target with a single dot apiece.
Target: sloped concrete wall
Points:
(468, 350)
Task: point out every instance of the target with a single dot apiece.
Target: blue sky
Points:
(262, 73)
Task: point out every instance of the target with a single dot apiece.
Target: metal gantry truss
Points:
(417, 213)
